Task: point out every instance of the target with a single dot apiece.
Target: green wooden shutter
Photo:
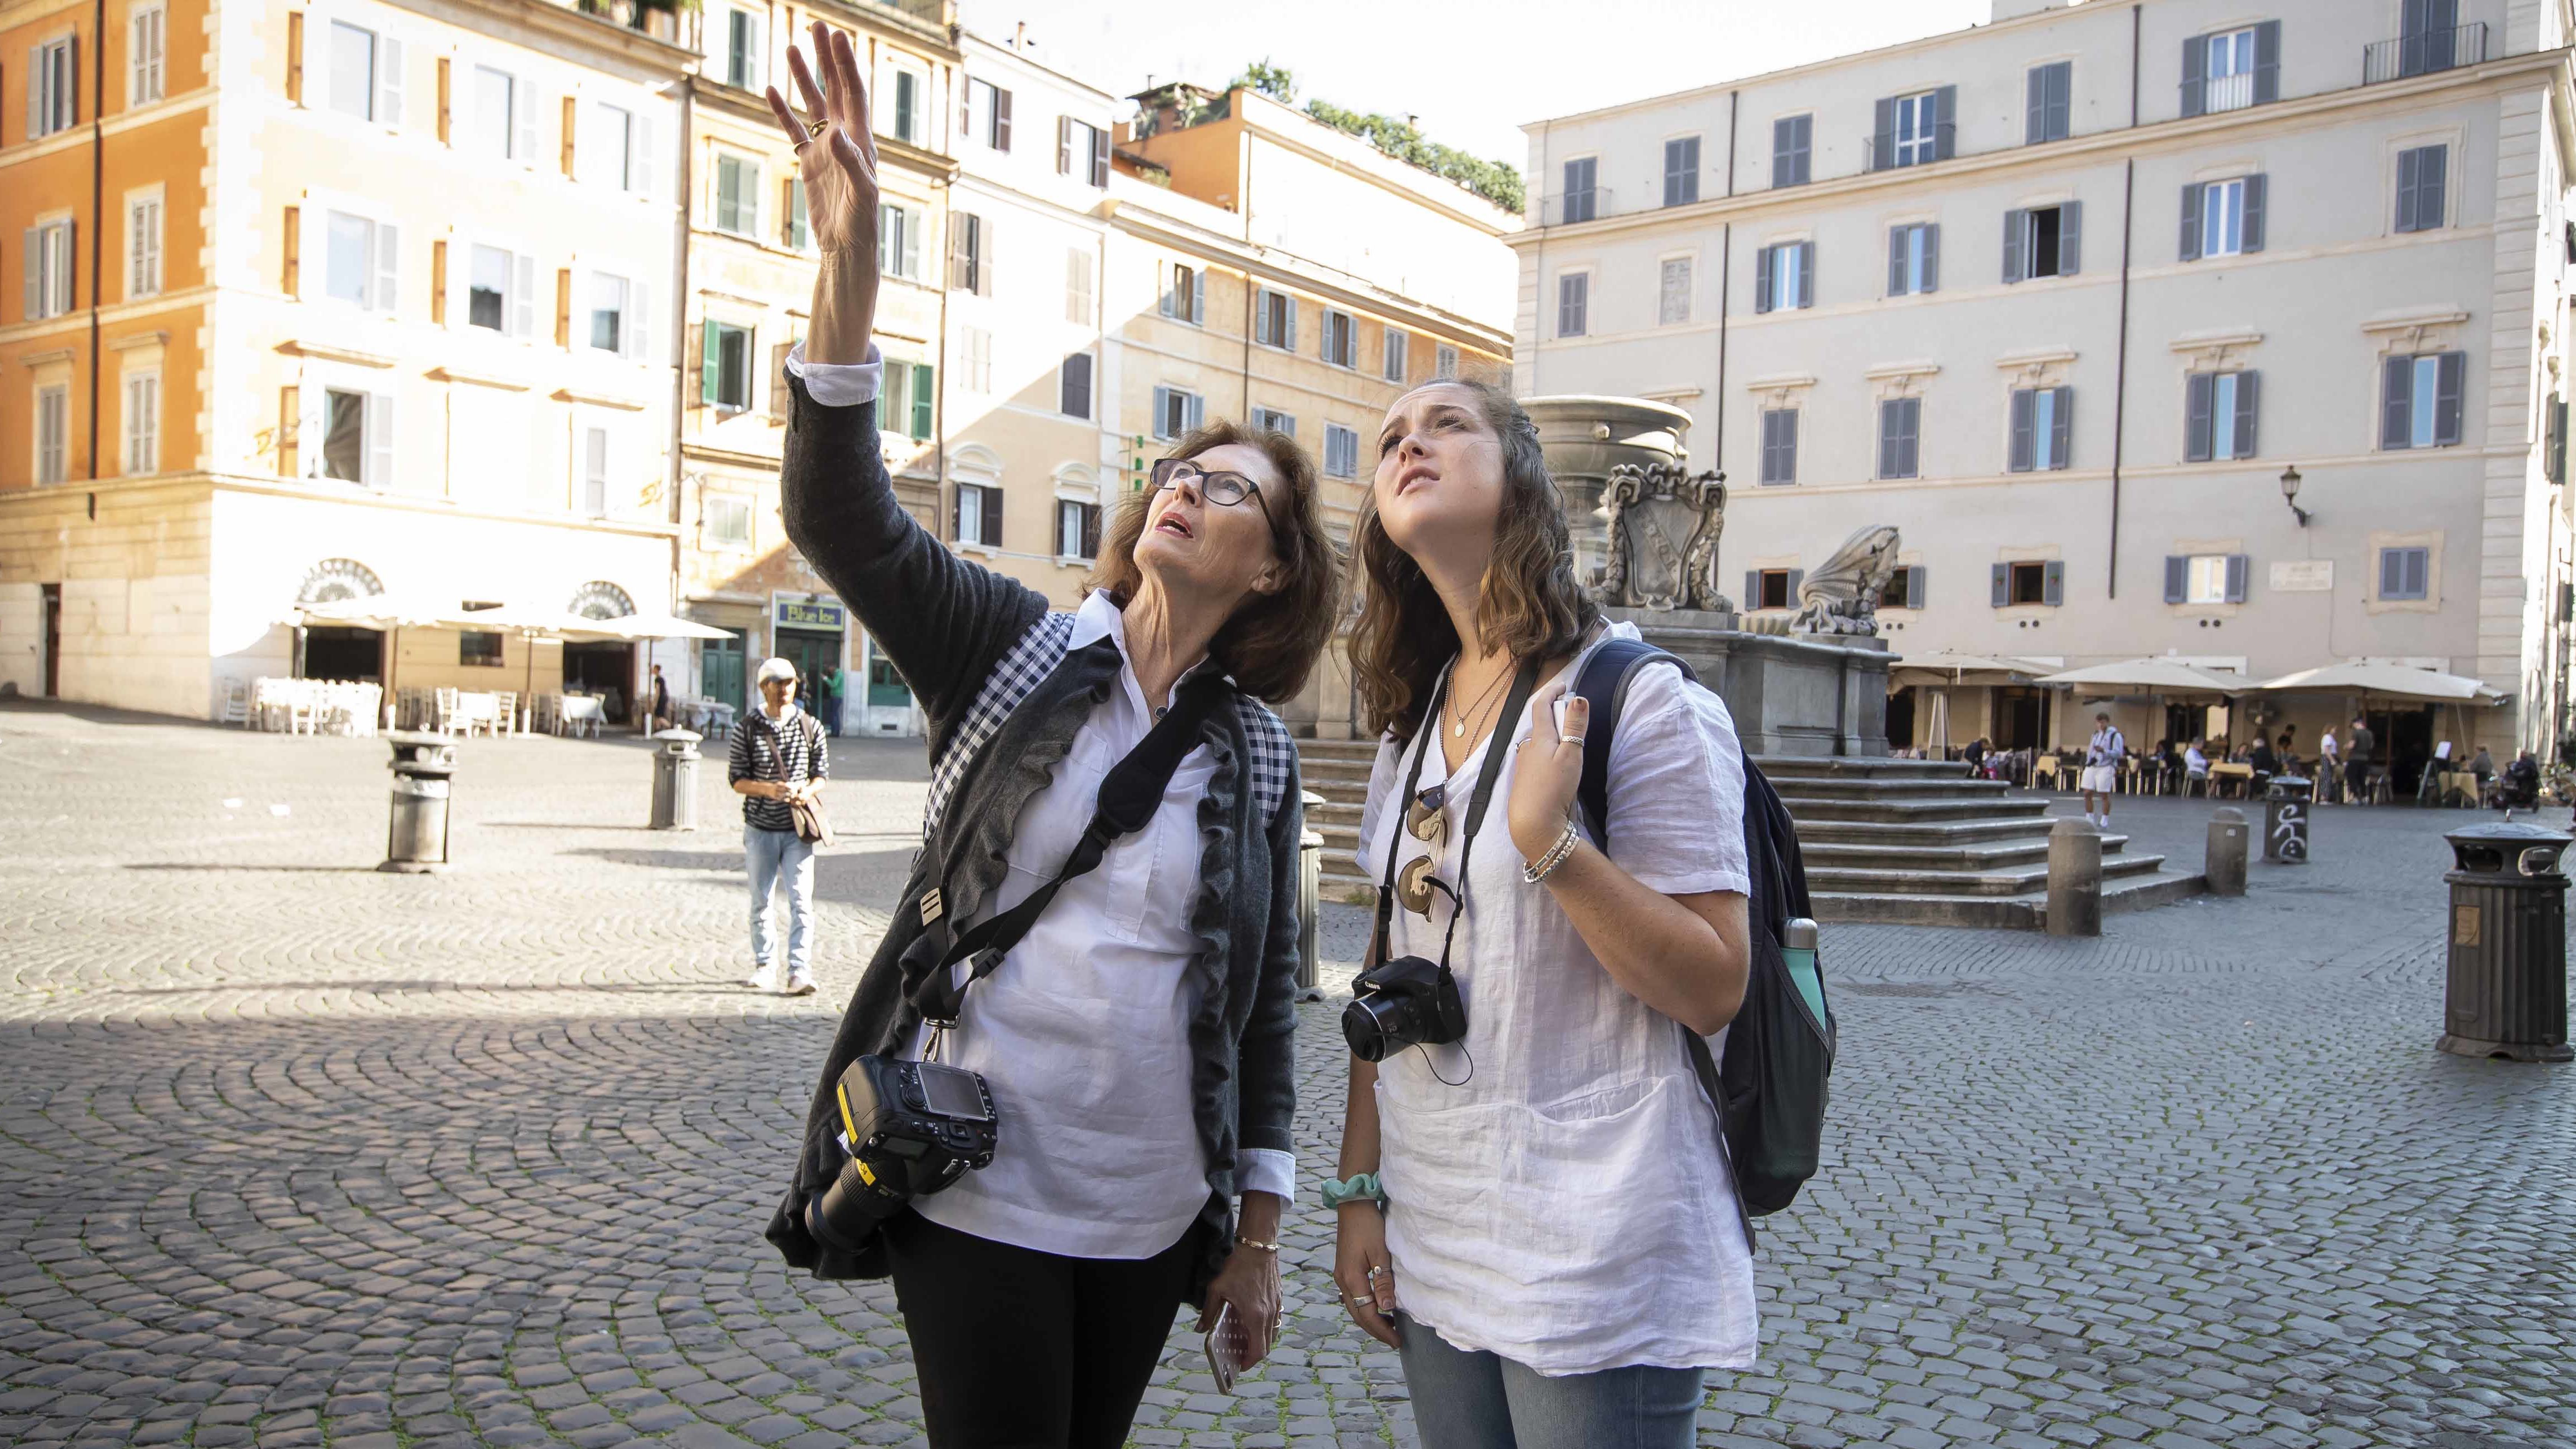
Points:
(711, 364)
(921, 400)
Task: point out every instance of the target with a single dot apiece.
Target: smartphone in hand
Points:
(1229, 1348)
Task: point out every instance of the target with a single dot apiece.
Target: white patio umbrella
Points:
(387, 612)
(657, 626)
(2387, 681)
(1945, 669)
(2147, 676)
(532, 622)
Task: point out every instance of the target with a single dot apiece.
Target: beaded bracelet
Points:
(1362, 1187)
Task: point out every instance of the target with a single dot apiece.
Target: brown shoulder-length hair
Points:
(1531, 602)
(1271, 643)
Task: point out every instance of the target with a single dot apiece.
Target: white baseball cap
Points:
(775, 668)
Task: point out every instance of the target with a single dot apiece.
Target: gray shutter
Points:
(2449, 375)
(1945, 129)
(1806, 274)
(2236, 571)
(2177, 578)
(2190, 248)
(2432, 187)
(2249, 394)
(1753, 588)
(1914, 587)
(30, 261)
(2002, 579)
(2070, 237)
(2392, 572)
(1762, 279)
(2396, 401)
(1911, 437)
(1784, 151)
(2016, 244)
(2053, 584)
(2257, 188)
(2195, 75)
(2409, 176)
(1882, 135)
(2034, 128)
(2196, 420)
(2061, 442)
(992, 518)
(1796, 577)
(1896, 261)
(2267, 61)
(2025, 407)
(1931, 256)
(1890, 421)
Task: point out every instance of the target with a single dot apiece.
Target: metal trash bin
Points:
(2505, 993)
(1310, 901)
(416, 832)
(675, 780)
(2285, 820)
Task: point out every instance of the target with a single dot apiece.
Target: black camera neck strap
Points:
(1426, 739)
(1129, 795)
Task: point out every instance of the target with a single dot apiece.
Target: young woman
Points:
(1557, 1253)
(1137, 1041)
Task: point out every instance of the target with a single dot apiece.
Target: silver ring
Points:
(1361, 1298)
(1373, 1272)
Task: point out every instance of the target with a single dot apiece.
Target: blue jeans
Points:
(770, 855)
(1464, 1400)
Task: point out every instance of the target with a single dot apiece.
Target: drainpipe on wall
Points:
(97, 204)
(2120, 359)
(1725, 276)
(685, 185)
(1538, 263)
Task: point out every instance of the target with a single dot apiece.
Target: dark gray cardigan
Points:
(948, 624)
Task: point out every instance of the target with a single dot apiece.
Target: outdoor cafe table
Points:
(2240, 777)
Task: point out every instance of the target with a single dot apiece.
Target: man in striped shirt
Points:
(778, 757)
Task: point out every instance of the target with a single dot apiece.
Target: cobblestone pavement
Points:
(298, 1153)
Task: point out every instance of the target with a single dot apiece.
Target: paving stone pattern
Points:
(302, 1154)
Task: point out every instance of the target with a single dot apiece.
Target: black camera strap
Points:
(1129, 795)
(1497, 745)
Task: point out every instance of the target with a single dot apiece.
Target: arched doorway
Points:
(607, 668)
(333, 651)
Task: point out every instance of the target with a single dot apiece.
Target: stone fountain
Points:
(1646, 531)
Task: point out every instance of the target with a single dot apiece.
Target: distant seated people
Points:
(2521, 783)
(2482, 765)
(2169, 761)
(2266, 764)
(1975, 754)
(2195, 765)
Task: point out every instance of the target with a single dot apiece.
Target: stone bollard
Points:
(2074, 878)
(2224, 861)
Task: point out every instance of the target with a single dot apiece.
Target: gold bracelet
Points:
(1241, 1241)
(1556, 855)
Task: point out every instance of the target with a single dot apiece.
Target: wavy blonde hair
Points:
(1530, 604)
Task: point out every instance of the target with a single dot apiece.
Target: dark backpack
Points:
(1771, 1087)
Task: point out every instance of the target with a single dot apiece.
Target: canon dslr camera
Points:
(1400, 1003)
(910, 1129)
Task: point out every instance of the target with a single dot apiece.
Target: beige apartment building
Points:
(2064, 297)
(748, 294)
(1271, 268)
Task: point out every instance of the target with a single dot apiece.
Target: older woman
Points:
(1539, 1215)
(1136, 1041)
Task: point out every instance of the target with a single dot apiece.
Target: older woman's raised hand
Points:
(836, 155)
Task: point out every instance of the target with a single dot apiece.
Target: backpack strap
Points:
(1603, 685)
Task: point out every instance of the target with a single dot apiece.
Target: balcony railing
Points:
(1568, 207)
(2423, 53)
(1897, 150)
(2226, 92)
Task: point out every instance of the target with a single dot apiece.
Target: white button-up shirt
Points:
(1083, 1030)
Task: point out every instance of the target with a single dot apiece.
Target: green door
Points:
(886, 689)
(814, 655)
(720, 670)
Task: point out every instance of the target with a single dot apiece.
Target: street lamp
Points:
(2290, 493)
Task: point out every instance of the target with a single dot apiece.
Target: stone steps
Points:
(1882, 879)
(1896, 841)
(2010, 913)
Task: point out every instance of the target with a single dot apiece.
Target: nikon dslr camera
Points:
(910, 1129)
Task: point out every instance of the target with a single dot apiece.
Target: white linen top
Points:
(1566, 1204)
(1083, 1031)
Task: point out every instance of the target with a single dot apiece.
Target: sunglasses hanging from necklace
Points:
(1425, 814)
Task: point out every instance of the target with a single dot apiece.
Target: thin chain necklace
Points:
(1458, 729)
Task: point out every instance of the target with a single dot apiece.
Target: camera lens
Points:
(1374, 1026)
(844, 1214)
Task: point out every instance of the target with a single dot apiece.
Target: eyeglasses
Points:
(1222, 488)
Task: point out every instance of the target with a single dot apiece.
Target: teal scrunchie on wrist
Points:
(1362, 1186)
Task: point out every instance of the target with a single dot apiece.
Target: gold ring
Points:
(817, 127)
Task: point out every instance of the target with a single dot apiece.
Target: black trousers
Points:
(1018, 1349)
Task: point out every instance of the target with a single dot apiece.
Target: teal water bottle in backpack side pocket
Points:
(1798, 950)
